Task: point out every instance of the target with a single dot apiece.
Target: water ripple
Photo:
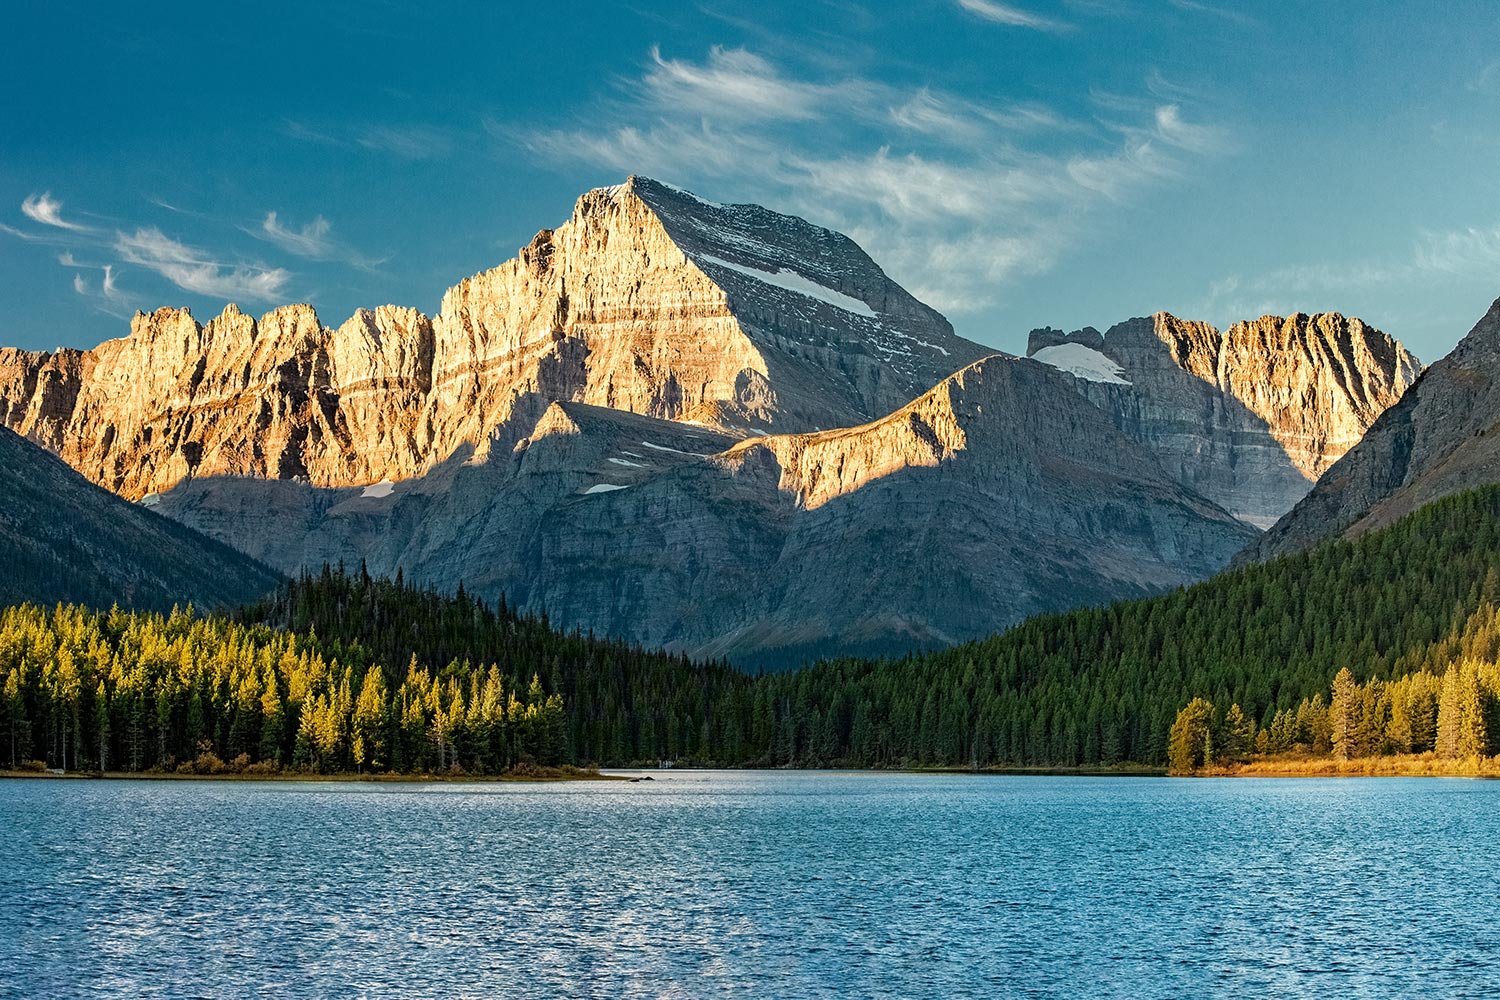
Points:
(724, 883)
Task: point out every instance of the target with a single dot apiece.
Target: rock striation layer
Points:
(998, 494)
(648, 299)
(1441, 438)
(1249, 417)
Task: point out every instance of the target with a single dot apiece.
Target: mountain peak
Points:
(648, 299)
(1250, 416)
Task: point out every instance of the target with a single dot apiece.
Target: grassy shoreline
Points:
(1425, 765)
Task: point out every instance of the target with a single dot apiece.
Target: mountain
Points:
(1250, 417)
(648, 299)
(1440, 439)
(1090, 687)
(997, 494)
(64, 539)
(715, 428)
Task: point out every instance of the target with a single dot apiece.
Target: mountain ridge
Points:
(1436, 441)
(995, 494)
(64, 539)
(623, 306)
(1251, 416)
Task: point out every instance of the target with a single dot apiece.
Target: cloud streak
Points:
(407, 141)
(955, 198)
(1440, 256)
(309, 241)
(188, 267)
(313, 241)
(1010, 16)
(43, 208)
(194, 270)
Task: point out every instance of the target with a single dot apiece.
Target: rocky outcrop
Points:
(998, 494)
(648, 299)
(1249, 417)
(1441, 438)
(64, 539)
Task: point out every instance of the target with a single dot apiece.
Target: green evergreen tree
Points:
(1190, 744)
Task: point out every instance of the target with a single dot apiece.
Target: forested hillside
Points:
(1104, 685)
(136, 691)
(290, 681)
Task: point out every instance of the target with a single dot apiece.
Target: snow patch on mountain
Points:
(688, 194)
(378, 490)
(1084, 362)
(675, 451)
(795, 282)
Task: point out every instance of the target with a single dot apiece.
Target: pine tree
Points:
(1237, 734)
(1190, 745)
(1344, 715)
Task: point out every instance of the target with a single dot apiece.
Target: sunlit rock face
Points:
(998, 494)
(1250, 417)
(648, 299)
(1441, 438)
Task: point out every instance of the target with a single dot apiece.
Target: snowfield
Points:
(794, 282)
(1085, 362)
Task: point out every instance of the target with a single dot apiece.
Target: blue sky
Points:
(1016, 164)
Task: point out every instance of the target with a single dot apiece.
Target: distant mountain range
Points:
(720, 429)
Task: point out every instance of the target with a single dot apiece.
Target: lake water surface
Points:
(761, 884)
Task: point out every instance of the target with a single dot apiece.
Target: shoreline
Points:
(1399, 766)
(1425, 765)
(539, 775)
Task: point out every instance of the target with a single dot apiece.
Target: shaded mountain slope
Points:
(998, 494)
(64, 539)
(1441, 438)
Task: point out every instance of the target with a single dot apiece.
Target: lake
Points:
(703, 883)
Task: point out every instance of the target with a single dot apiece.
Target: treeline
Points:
(1090, 687)
(142, 691)
(1099, 686)
(625, 704)
(1456, 716)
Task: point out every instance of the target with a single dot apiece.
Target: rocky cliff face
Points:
(1249, 417)
(1441, 438)
(648, 300)
(998, 494)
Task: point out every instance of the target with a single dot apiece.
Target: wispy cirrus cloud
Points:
(104, 293)
(43, 208)
(406, 141)
(1467, 253)
(1226, 12)
(1473, 250)
(195, 270)
(314, 241)
(309, 241)
(735, 83)
(1010, 15)
(956, 198)
(186, 266)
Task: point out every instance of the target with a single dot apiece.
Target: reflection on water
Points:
(765, 884)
